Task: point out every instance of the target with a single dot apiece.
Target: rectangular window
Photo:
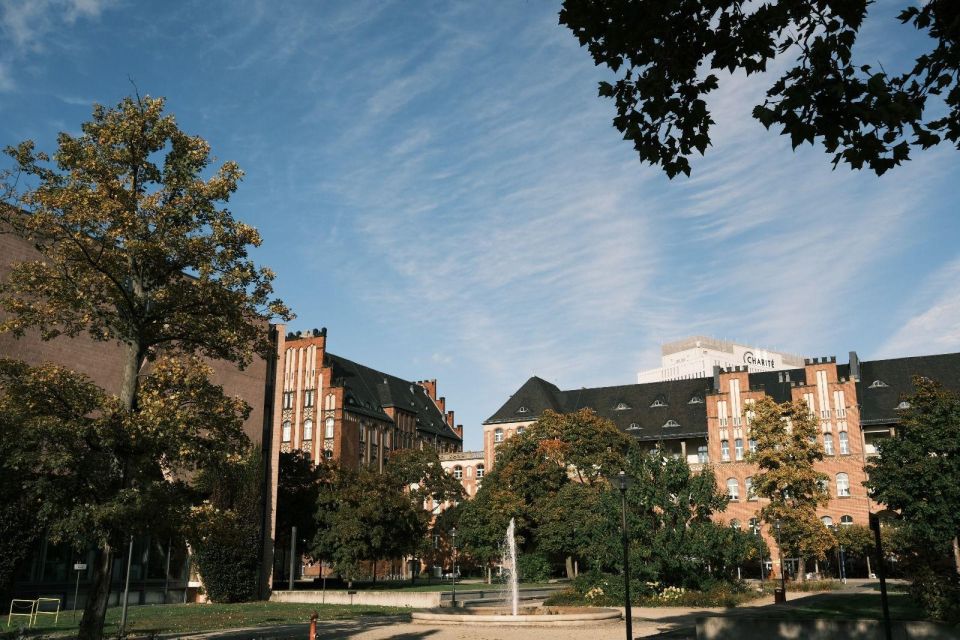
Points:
(725, 450)
(844, 443)
(308, 398)
(828, 444)
(288, 399)
(753, 445)
(738, 444)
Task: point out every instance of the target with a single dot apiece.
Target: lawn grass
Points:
(852, 606)
(422, 586)
(183, 618)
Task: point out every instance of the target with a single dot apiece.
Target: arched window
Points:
(480, 470)
(498, 435)
(328, 427)
(308, 429)
(735, 524)
(523, 410)
(846, 521)
(828, 444)
(285, 433)
(702, 454)
(328, 454)
(824, 485)
(748, 487)
(725, 450)
(520, 430)
(827, 521)
(843, 485)
(671, 424)
(733, 489)
(844, 443)
(458, 472)
(903, 405)
(754, 525)
(738, 448)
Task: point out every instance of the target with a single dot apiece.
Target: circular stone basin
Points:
(527, 616)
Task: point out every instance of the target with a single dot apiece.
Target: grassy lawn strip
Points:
(208, 617)
(423, 587)
(852, 606)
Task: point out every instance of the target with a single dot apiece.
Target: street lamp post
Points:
(840, 558)
(756, 532)
(783, 579)
(453, 536)
(628, 614)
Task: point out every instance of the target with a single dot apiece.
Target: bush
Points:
(938, 594)
(607, 590)
(226, 531)
(533, 567)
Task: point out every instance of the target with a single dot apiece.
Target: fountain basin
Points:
(529, 616)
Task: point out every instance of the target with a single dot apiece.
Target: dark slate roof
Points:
(645, 411)
(878, 404)
(368, 391)
(776, 384)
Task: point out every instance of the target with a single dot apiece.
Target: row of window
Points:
(498, 434)
(287, 429)
(458, 471)
(754, 524)
(738, 446)
(307, 398)
(733, 487)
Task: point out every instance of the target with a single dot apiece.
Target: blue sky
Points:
(440, 186)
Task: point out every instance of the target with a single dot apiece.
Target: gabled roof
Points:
(628, 406)
(883, 383)
(368, 392)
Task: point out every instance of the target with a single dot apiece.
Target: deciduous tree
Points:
(787, 449)
(668, 55)
(137, 249)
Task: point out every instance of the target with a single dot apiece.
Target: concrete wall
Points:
(417, 600)
(739, 628)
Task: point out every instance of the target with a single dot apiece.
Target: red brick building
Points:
(706, 420)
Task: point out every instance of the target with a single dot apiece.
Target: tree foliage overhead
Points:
(787, 448)
(667, 55)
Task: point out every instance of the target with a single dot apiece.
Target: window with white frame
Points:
(738, 448)
(328, 427)
(308, 429)
(843, 485)
(828, 444)
(844, 443)
(725, 450)
(703, 455)
(733, 489)
(480, 470)
(498, 435)
(827, 521)
(458, 472)
(286, 431)
(308, 398)
(748, 488)
(735, 524)
(288, 399)
(846, 521)
(328, 454)
(752, 443)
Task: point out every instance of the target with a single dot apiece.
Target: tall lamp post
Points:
(453, 537)
(840, 556)
(783, 580)
(622, 478)
(756, 532)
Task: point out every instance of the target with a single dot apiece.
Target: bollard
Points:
(313, 626)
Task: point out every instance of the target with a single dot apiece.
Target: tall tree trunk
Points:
(95, 610)
(956, 553)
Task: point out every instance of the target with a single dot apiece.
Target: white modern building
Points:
(696, 356)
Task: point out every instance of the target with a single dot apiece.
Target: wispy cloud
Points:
(936, 327)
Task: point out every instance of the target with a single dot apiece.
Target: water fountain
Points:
(529, 616)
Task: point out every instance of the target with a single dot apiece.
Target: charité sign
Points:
(749, 358)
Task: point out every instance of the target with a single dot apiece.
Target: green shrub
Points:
(937, 593)
(226, 534)
(533, 567)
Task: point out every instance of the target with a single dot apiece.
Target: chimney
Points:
(458, 429)
(442, 404)
(450, 420)
(854, 366)
(716, 377)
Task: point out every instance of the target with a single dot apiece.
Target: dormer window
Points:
(878, 384)
(670, 424)
(903, 405)
(523, 410)
(659, 402)
(696, 400)
(633, 427)
(621, 406)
